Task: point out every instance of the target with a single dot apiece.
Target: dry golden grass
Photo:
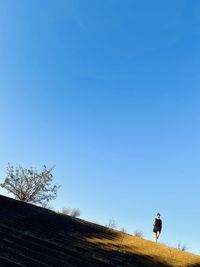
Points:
(126, 243)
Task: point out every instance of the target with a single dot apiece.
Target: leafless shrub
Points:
(123, 230)
(182, 247)
(138, 233)
(111, 224)
(75, 213)
(67, 211)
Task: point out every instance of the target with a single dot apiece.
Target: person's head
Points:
(158, 215)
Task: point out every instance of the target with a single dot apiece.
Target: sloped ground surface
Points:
(32, 236)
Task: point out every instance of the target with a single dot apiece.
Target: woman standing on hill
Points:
(157, 227)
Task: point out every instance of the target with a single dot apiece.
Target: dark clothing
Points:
(157, 225)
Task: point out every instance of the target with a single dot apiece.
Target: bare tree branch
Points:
(29, 185)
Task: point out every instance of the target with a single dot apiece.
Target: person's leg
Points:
(155, 236)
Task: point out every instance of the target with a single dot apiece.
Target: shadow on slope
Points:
(74, 234)
(68, 237)
(119, 258)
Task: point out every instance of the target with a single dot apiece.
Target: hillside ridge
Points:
(34, 236)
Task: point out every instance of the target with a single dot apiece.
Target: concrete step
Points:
(58, 255)
(9, 263)
(7, 252)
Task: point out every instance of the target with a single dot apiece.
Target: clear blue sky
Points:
(107, 91)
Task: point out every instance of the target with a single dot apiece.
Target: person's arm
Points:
(160, 225)
(154, 222)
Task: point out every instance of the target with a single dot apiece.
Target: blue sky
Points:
(108, 92)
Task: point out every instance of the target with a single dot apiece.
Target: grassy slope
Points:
(28, 232)
(129, 244)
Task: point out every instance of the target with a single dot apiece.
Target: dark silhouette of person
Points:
(157, 227)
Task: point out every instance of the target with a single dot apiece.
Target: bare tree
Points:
(29, 185)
